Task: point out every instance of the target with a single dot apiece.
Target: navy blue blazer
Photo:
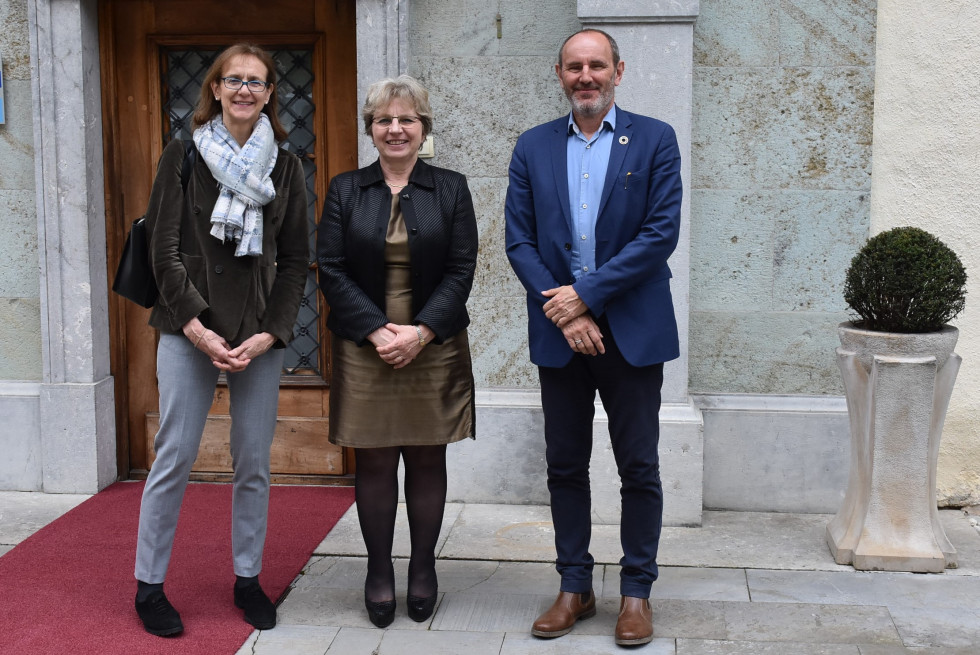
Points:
(636, 231)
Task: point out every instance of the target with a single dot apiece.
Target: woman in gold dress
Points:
(396, 250)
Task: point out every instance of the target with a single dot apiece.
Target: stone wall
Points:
(781, 168)
(20, 306)
(926, 172)
(485, 91)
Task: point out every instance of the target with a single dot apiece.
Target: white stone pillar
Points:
(382, 51)
(77, 415)
(656, 42)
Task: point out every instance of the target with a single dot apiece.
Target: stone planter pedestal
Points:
(898, 388)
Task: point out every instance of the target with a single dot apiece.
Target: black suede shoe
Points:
(381, 613)
(420, 609)
(259, 610)
(159, 616)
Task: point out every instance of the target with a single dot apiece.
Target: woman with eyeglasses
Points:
(229, 248)
(396, 249)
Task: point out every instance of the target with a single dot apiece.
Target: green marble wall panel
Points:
(469, 28)
(15, 43)
(765, 352)
(484, 92)
(781, 174)
(20, 307)
(20, 339)
(18, 245)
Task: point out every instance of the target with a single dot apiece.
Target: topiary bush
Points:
(905, 280)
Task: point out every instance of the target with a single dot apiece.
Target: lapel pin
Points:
(624, 140)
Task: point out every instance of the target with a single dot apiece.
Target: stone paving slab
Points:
(291, 639)
(774, 622)
(344, 608)
(722, 647)
(751, 540)
(893, 590)
(686, 583)
(24, 513)
(965, 538)
(333, 573)
(726, 539)
(454, 576)
(345, 537)
(939, 626)
(499, 577)
(355, 641)
(521, 533)
(574, 644)
(886, 650)
(489, 612)
(396, 642)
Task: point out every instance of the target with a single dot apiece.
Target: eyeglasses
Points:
(255, 86)
(404, 121)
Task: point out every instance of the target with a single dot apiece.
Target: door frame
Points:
(336, 151)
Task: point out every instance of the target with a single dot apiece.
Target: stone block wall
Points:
(20, 305)
(485, 91)
(781, 168)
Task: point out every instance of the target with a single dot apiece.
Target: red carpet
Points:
(69, 588)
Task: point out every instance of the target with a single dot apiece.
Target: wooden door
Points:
(153, 56)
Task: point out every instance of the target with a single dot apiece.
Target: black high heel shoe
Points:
(381, 613)
(420, 609)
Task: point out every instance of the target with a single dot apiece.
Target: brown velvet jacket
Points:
(198, 275)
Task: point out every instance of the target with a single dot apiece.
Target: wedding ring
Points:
(578, 341)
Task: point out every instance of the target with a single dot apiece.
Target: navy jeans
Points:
(631, 398)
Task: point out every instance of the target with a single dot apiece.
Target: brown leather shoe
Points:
(568, 608)
(635, 624)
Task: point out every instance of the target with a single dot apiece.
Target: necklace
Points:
(396, 186)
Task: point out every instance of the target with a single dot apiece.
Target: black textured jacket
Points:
(442, 240)
(200, 276)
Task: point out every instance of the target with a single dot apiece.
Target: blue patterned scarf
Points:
(243, 179)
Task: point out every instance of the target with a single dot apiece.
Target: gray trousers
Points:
(187, 381)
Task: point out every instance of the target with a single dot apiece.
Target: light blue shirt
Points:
(587, 160)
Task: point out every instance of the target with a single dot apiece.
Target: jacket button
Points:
(406, 197)
(414, 230)
(568, 246)
(197, 209)
(219, 269)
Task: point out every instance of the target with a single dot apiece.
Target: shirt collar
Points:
(608, 121)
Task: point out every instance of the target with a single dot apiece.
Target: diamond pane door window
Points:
(182, 75)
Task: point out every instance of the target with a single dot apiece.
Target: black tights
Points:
(376, 494)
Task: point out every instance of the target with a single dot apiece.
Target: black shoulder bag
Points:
(134, 277)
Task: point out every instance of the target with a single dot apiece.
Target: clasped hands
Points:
(222, 355)
(398, 345)
(567, 311)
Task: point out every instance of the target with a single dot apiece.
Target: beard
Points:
(597, 105)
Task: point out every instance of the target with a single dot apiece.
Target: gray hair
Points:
(612, 44)
(404, 87)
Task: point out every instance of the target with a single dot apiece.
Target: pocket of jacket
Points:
(197, 272)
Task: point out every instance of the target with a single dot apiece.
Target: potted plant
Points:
(898, 365)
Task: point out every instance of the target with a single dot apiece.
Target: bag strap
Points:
(190, 159)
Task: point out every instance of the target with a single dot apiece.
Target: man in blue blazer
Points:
(593, 213)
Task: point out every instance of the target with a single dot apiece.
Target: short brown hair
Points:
(612, 44)
(207, 107)
(404, 87)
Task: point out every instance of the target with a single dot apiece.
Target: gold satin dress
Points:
(429, 402)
